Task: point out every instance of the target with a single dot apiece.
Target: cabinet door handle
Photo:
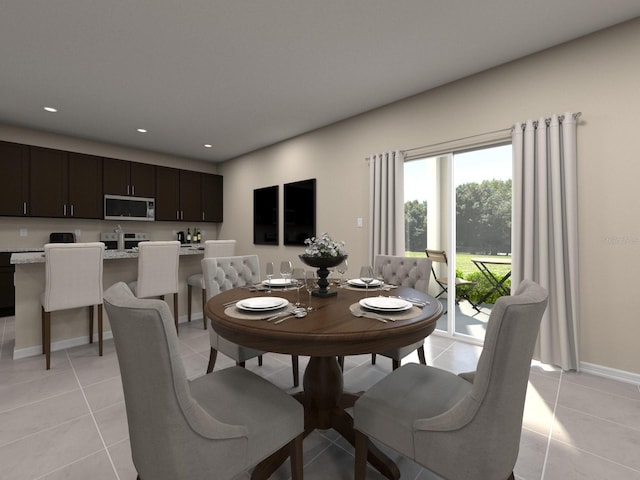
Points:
(24, 208)
(203, 216)
(177, 215)
(64, 210)
(133, 189)
(181, 215)
(128, 189)
(72, 214)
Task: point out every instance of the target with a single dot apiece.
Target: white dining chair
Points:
(224, 273)
(212, 248)
(411, 272)
(459, 426)
(73, 279)
(216, 426)
(158, 272)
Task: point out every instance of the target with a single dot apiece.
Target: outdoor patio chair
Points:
(440, 256)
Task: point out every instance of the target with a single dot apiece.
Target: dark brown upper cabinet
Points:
(14, 171)
(167, 193)
(122, 177)
(211, 197)
(85, 181)
(190, 195)
(65, 184)
(49, 182)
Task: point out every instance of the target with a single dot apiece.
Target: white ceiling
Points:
(243, 74)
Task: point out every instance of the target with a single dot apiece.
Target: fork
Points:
(371, 315)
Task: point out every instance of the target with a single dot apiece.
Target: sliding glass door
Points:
(460, 203)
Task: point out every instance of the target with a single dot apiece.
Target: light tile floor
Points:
(70, 422)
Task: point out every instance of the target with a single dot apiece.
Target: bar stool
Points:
(73, 279)
(212, 248)
(158, 272)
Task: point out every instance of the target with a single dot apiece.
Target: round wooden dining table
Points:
(329, 331)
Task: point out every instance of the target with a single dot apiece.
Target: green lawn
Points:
(465, 265)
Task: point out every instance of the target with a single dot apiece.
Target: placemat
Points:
(404, 315)
(233, 312)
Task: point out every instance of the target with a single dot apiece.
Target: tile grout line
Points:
(67, 465)
(587, 452)
(48, 429)
(602, 419)
(40, 400)
(553, 421)
(95, 422)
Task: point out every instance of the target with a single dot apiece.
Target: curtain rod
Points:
(548, 119)
(456, 140)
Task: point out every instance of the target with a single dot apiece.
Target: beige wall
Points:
(597, 75)
(38, 229)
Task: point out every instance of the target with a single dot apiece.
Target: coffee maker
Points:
(182, 237)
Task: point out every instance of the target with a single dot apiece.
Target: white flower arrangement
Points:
(323, 246)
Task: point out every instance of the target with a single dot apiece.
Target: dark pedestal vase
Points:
(323, 264)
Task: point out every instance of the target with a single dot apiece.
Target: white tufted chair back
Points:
(414, 272)
(224, 273)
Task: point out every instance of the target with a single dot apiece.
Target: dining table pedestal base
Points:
(325, 405)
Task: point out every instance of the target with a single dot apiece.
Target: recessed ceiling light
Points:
(51, 109)
(208, 145)
(142, 130)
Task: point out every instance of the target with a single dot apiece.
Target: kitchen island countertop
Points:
(32, 256)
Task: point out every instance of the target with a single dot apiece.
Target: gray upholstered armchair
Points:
(414, 272)
(224, 273)
(215, 426)
(460, 426)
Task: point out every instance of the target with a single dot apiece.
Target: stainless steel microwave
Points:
(117, 207)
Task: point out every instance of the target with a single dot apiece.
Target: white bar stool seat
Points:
(158, 272)
(73, 279)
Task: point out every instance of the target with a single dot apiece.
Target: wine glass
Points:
(366, 276)
(299, 281)
(285, 270)
(311, 283)
(342, 269)
(269, 275)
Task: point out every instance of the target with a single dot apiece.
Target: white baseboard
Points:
(612, 373)
(61, 345)
(75, 342)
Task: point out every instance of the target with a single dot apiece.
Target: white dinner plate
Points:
(262, 304)
(278, 282)
(385, 304)
(356, 282)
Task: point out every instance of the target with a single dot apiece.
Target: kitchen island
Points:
(69, 327)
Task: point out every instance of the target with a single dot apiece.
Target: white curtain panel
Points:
(545, 229)
(386, 204)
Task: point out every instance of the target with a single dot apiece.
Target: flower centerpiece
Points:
(323, 253)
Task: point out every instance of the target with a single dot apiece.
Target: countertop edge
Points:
(31, 256)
